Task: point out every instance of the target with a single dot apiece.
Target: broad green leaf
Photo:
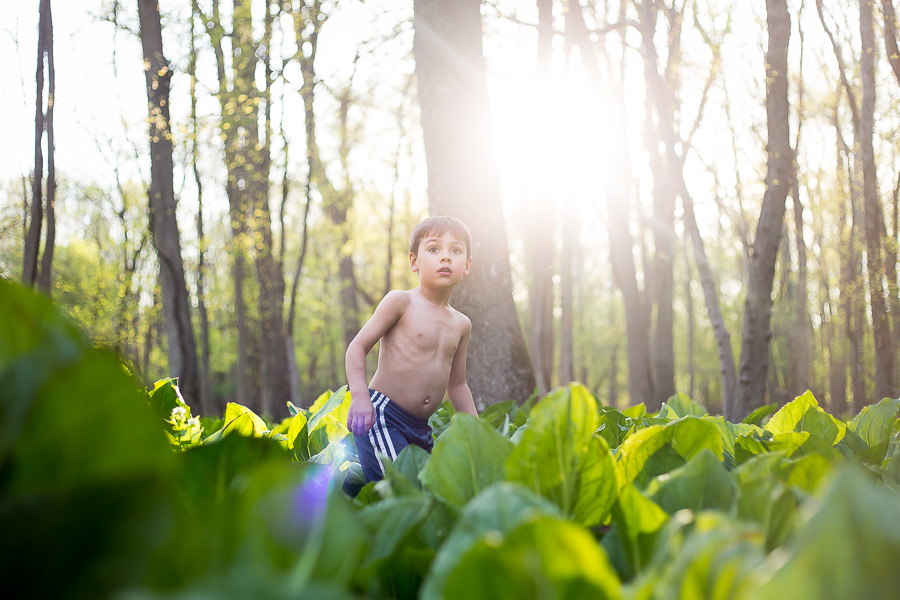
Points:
(635, 412)
(806, 472)
(870, 432)
(560, 458)
(752, 444)
(730, 432)
(635, 520)
(847, 549)
(337, 405)
(702, 557)
(613, 427)
(466, 459)
(703, 483)
(680, 405)
(495, 414)
(499, 508)
(659, 449)
(298, 425)
(390, 520)
(761, 415)
(543, 558)
(242, 420)
(803, 414)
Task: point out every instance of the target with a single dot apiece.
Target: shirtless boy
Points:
(422, 353)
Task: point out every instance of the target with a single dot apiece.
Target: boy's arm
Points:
(361, 415)
(457, 388)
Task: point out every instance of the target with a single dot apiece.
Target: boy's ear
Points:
(468, 266)
(413, 265)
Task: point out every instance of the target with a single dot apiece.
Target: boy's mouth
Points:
(447, 270)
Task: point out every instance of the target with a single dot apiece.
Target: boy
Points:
(422, 353)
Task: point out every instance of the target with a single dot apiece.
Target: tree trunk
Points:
(802, 325)
(182, 348)
(723, 337)
(539, 241)
(206, 404)
(463, 181)
(881, 325)
(44, 276)
(890, 39)
(33, 237)
(757, 332)
(661, 284)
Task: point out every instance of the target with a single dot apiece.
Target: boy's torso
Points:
(416, 354)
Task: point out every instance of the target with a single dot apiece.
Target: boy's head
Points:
(438, 226)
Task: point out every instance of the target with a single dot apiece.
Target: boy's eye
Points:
(457, 251)
(433, 249)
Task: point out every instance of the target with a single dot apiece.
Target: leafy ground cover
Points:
(111, 490)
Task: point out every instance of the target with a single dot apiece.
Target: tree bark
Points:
(33, 237)
(723, 337)
(181, 344)
(206, 403)
(539, 241)
(757, 334)
(890, 37)
(463, 181)
(802, 325)
(44, 276)
(875, 267)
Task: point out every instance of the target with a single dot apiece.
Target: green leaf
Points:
(872, 430)
(543, 558)
(296, 428)
(337, 404)
(636, 519)
(495, 414)
(760, 415)
(391, 520)
(613, 426)
(847, 549)
(703, 483)
(242, 420)
(500, 508)
(680, 405)
(804, 415)
(560, 458)
(466, 459)
(659, 449)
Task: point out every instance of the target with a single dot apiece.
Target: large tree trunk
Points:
(463, 181)
(757, 332)
(890, 37)
(881, 325)
(182, 348)
(663, 163)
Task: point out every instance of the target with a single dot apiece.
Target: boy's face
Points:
(441, 259)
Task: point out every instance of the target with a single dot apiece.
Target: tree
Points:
(757, 332)
(874, 217)
(158, 73)
(463, 181)
(42, 121)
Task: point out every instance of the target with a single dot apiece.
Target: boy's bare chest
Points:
(428, 333)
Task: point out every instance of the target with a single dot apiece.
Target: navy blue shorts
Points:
(394, 430)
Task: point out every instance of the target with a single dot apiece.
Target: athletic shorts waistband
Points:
(399, 412)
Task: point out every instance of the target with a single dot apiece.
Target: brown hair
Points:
(438, 226)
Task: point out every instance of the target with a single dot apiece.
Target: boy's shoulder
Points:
(462, 319)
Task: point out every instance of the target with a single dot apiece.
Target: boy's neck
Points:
(438, 297)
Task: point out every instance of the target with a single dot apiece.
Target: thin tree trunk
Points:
(206, 406)
(463, 181)
(874, 217)
(44, 276)
(181, 344)
(803, 325)
(707, 282)
(33, 237)
(757, 334)
(689, 303)
(540, 219)
(890, 38)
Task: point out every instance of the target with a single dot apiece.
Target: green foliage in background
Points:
(118, 491)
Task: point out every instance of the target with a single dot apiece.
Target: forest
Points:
(666, 196)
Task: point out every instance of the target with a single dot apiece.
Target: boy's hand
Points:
(361, 415)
